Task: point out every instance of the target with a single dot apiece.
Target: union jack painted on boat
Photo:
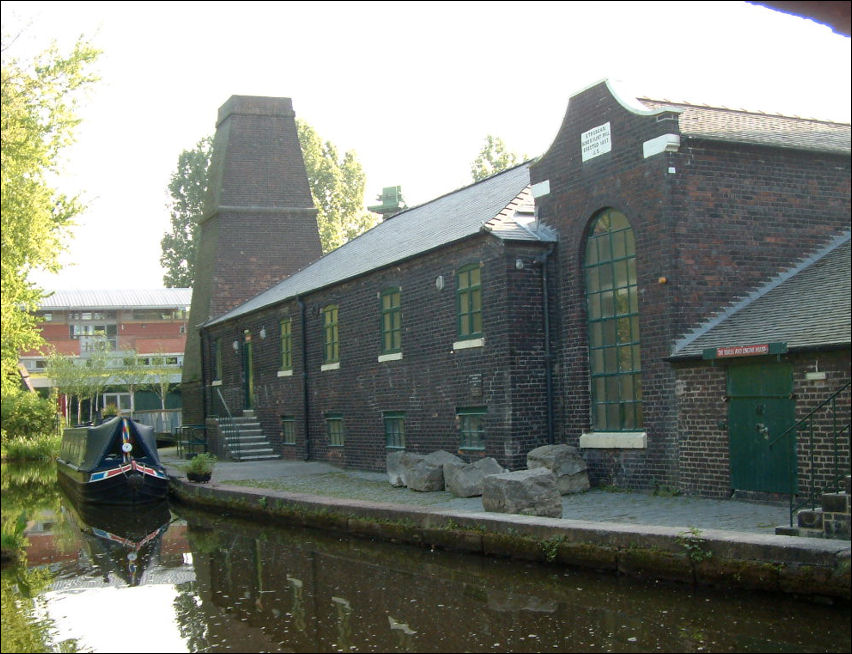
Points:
(120, 470)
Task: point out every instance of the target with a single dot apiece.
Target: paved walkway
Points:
(596, 505)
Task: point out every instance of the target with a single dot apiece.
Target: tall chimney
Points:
(259, 224)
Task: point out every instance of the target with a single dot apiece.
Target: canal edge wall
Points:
(809, 567)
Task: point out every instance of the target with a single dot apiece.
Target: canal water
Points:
(175, 579)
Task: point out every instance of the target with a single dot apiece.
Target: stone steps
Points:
(245, 439)
(831, 520)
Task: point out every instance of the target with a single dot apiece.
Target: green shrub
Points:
(24, 415)
(31, 448)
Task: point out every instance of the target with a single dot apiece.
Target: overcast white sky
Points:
(412, 88)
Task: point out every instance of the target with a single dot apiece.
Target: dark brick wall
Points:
(703, 414)
(638, 187)
(259, 225)
(431, 380)
(743, 214)
(711, 221)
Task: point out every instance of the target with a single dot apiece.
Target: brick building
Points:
(586, 297)
(152, 323)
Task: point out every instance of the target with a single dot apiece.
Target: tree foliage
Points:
(337, 186)
(187, 188)
(493, 158)
(40, 100)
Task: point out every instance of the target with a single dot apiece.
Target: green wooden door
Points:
(248, 376)
(760, 408)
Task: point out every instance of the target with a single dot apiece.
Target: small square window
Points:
(471, 429)
(288, 430)
(394, 430)
(334, 429)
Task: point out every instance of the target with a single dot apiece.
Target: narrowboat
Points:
(115, 462)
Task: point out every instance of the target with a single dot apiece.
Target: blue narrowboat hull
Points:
(133, 483)
(115, 462)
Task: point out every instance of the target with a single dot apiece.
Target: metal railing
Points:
(229, 429)
(809, 425)
(164, 421)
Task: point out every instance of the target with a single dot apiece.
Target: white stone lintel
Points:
(471, 342)
(637, 440)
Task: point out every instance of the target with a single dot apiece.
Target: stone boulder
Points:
(528, 492)
(466, 480)
(427, 474)
(398, 463)
(565, 462)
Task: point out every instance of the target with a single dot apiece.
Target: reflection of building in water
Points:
(344, 626)
(323, 592)
(404, 635)
(297, 606)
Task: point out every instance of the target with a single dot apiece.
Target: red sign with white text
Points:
(742, 350)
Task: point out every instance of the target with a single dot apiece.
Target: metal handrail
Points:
(812, 494)
(232, 427)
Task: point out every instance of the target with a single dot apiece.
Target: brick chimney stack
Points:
(259, 224)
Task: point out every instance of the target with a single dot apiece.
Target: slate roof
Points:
(157, 298)
(806, 306)
(500, 205)
(738, 126)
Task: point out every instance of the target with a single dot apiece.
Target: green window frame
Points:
(285, 328)
(391, 320)
(612, 302)
(217, 358)
(471, 428)
(331, 344)
(288, 430)
(334, 429)
(469, 301)
(394, 422)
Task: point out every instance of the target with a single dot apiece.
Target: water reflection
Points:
(121, 542)
(302, 591)
(206, 583)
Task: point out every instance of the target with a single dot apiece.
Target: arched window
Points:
(613, 314)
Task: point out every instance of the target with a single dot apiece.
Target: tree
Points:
(493, 158)
(187, 189)
(337, 187)
(97, 371)
(68, 375)
(40, 100)
(127, 368)
(159, 377)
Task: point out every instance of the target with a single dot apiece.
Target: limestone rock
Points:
(565, 462)
(466, 480)
(528, 492)
(398, 464)
(427, 474)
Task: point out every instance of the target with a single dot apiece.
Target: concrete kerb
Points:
(788, 564)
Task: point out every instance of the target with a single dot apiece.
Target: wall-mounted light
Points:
(439, 282)
(236, 345)
(263, 332)
(519, 264)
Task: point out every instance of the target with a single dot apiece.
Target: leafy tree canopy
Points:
(337, 187)
(187, 189)
(40, 99)
(493, 158)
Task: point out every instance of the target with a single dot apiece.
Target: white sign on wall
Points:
(595, 142)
